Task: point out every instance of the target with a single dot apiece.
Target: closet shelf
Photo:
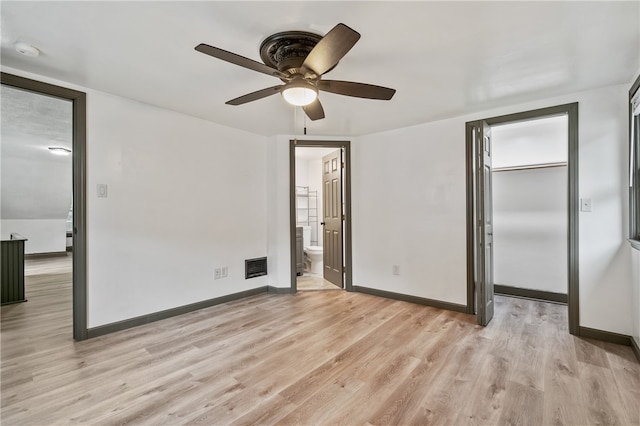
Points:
(530, 167)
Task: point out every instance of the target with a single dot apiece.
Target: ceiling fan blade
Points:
(240, 60)
(314, 110)
(333, 46)
(254, 96)
(358, 90)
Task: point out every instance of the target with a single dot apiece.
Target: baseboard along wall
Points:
(157, 316)
(530, 294)
(412, 299)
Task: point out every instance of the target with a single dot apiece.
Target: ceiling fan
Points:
(300, 59)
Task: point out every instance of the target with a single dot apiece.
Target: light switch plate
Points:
(102, 190)
(585, 204)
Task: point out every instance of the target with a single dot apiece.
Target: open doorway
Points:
(37, 135)
(529, 177)
(320, 224)
(522, 209)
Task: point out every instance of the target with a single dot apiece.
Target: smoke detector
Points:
(27, 50)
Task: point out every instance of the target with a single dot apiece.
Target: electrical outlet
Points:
(395, 269)
(217, 274)
(225, 272)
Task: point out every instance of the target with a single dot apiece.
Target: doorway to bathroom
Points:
(522, 185)
(320, 219)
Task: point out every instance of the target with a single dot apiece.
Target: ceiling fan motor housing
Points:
(300, 59)
(286, 51)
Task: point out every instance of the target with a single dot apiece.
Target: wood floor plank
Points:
(562, 383)
(312, 358)
(487, 395)
(523, 405)
(601, 396)
(590, 352)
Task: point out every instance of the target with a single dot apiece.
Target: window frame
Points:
(634, 164)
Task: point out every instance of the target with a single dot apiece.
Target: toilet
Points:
(312, 254)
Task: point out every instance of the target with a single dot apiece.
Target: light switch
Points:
(102, 190)
(585, 204)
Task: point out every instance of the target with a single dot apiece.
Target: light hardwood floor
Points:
(314, 358)
(314, 282)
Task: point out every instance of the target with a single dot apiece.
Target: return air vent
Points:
(255, 267)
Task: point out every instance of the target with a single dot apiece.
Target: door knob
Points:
(322, 223)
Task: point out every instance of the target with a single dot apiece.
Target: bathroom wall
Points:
(309, 173)
(302, 172)
(315, 184)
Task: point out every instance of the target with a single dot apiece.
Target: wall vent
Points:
(255, 267)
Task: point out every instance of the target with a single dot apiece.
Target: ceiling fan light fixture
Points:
(299, 93)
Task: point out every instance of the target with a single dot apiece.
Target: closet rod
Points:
(529, 167)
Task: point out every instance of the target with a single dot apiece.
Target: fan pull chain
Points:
(295, 123)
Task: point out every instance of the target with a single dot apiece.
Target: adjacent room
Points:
(305, 212)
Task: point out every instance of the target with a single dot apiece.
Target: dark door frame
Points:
(571, 110)
(346, 146)
(79, 189)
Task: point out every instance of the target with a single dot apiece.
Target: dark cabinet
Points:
(13, 271)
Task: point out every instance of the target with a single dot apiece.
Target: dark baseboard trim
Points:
(605, 336)
(157, 316)
(412, 299)
(45, 255)
(636, 347)
(278, 290)
(530, 294)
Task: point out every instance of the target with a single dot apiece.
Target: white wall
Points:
(43, 235)
(409, 208)
(530, 228)
(315, 184)
(309, 173)
(408, 190)
(302, 172)
(525, 143)
(184, 196)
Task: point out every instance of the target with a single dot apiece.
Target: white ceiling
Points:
(444, 58)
